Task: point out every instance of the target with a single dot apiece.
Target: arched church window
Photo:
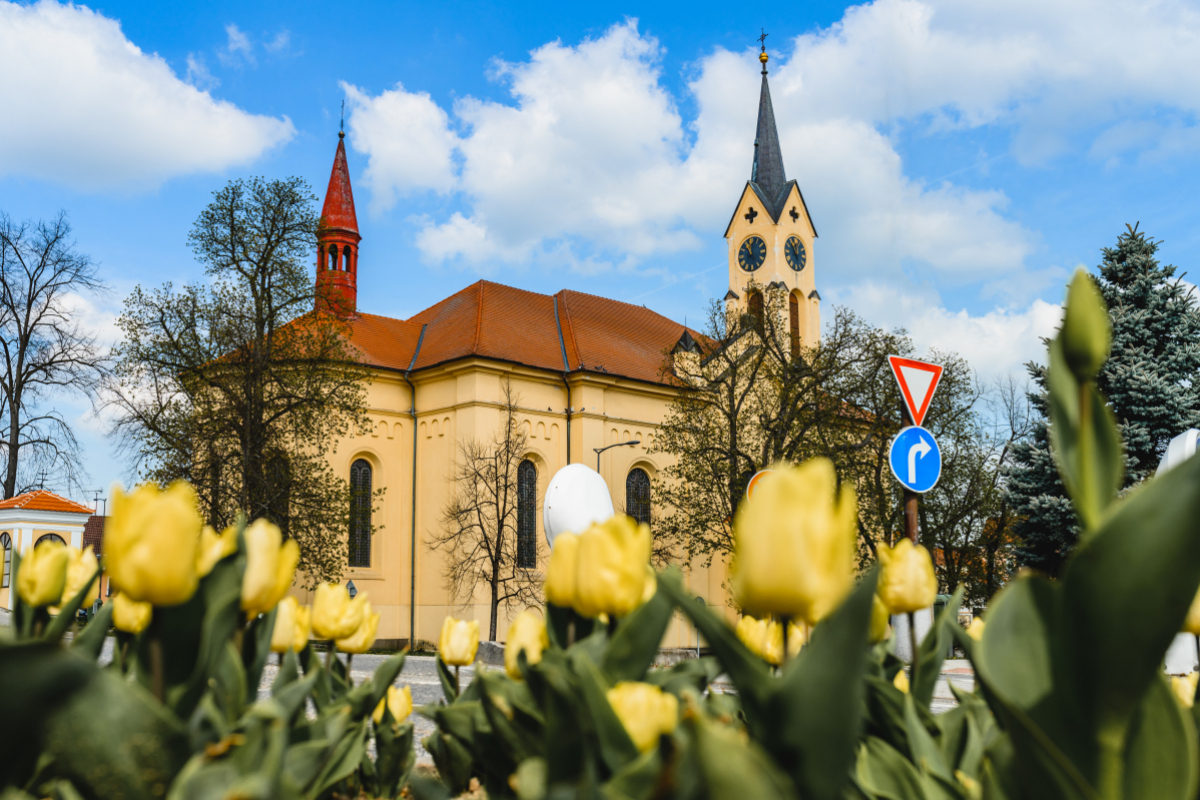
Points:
(360, 514)
(333, 256)
(346, 259)
(794, 314)
(527, 515)
(6, 543)
(756, 310)
(49, 537)
(637, 495)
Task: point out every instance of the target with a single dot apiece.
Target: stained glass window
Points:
(527, 515)
(637, 495)
(360, 514)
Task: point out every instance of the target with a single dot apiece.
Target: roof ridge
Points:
(571, 328)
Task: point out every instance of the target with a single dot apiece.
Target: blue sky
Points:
(959, 160)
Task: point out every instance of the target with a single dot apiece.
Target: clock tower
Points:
(771, 235)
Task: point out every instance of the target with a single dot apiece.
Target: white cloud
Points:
(591, 151)
(98, 113)
(996, 343)
(198, 74)
(279, 43)
(238, 46)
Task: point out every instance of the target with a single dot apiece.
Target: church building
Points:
(587, 371)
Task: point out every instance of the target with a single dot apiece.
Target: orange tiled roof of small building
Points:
(492, 320)
(43, 500)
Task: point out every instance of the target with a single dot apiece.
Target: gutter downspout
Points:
(412, 583)
(566, 370)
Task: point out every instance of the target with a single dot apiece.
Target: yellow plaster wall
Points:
(463, 400)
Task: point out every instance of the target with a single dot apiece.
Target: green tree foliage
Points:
(1150, 381)
(752, 398)
(236, 385)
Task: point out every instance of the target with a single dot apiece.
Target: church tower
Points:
(771, 235)
(337, 242)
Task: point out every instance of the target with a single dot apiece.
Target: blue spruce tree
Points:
(1150, 380)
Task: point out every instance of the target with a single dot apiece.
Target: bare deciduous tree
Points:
(479, 532)
(45, 351)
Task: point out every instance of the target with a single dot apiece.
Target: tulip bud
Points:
(757, 635)
(901, 681)
(611, 569)
(397, 701)
(334, 614)
(283, 635)
(526, 633)
(458, 642)
(1185, 689)
(975, 629)
(1086, 330)
(907, 582)
(361, 640)
(80, 570)
(1191, 624)
(151, 544)
(43, 574)
(880, 620)
(270, 567)
(303, 628)
(130, 615)
(214, 547)
(646, 711)
(795, 543)
(560, 571)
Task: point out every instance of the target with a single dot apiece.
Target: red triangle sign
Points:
(918, 381)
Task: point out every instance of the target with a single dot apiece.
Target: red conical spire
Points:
(337, 242)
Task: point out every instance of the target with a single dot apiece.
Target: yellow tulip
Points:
(214, 547)
(151, 543)
(458, 642)
(526, 633)
(334, 614)
(303, 628)
(361, 640)
(560, 571)
(43, 574)
(270, 567)
(880, 620)
(795, 543)
(1192, 623)
(130, 615)
(81, 567)
(764, 638)
(1185, 689)
(398, 701)
(907, 582)
(283, 635)
(975, 629)
(611, 571)
(651, 587)
(901, 681)
(646, 711)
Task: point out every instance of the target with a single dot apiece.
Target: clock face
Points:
(797, 257)
(752, 254)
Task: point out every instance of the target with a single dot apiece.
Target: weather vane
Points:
(342, 124)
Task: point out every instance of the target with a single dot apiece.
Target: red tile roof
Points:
(338, 211)
(491, 320)
(43, 500)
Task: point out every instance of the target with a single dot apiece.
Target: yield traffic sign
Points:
(918, 381)
(915, 459)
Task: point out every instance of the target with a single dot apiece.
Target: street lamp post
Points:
(599, 450)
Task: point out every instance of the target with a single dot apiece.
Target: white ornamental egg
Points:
(576, 497)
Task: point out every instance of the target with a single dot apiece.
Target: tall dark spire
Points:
(767, 171)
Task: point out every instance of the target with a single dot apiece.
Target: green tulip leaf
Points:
(1086, 442)
(385, 675)
(1161, 753)
(453, 762)
(933, 650)
(925, 751)
(342, 761)
(884, 772)
(450, 687)
(616, 748)
(632, 649)
(733, 768)
(256, 647)
(816, 713)
(89, 642)
(693, 674)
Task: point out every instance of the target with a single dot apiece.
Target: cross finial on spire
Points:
(762, 40)
(342, 124)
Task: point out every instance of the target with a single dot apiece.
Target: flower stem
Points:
(349, 662)
(612, 627)
(457, 685)
(916, 653)
(156, 658)
(786, 622)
